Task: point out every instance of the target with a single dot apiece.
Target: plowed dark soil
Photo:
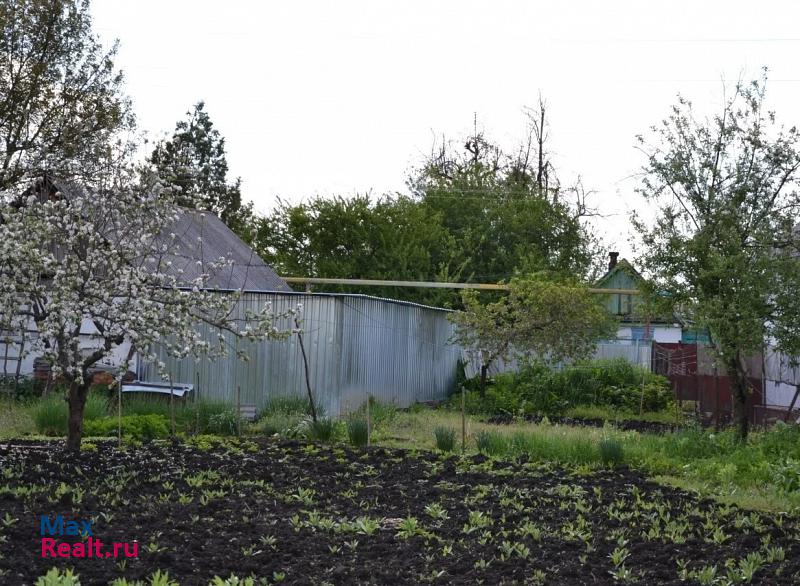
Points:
(307, 514)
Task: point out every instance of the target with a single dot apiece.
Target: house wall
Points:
(659, 333)
(618, 304)
(780, 394)
(783, 377)
(89, 342)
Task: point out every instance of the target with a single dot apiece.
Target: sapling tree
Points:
(89, 271)
(541, 318)
(724, 246)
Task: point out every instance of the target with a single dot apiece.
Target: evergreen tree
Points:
(193, 162)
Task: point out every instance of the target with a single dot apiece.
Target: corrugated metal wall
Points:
(398, 352)
(634, 351)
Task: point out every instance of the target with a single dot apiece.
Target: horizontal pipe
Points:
(430, 285)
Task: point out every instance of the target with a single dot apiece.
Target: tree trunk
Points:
(77, 402)
(739, 391)
(484, 370)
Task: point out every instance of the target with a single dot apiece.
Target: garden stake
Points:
(305, 370)
(238, 410)
(171, 407)
(463, 422)
(119, 411)
(369, 423)
(194, 401)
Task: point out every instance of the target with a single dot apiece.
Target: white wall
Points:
(664, 334)
(780, 394)
(667, 334)
(88, 343)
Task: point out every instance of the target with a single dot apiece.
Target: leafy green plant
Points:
(537, 389)
(142, 427)
(445, 438)
(223, 422)
(55, 577)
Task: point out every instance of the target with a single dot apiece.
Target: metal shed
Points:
(398, 352)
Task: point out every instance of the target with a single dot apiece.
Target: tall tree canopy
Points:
(392, 238)
(474, 215)
(193, 162)
(62, 110)
(723, 246)
(507, 212)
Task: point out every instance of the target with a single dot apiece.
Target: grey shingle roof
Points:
(246, 270)
(202, 236)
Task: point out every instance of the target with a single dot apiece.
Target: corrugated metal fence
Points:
(396, 351)
(634, 351)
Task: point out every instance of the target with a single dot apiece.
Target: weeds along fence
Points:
(638, 352)
(356, 345)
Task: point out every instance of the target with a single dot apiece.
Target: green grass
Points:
(357, 432)
(15, 419)
(668, 416)
(50, 413)
(763, 473)
(445, 438)
(290, 405)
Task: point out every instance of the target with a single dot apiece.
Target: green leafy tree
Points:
(62, 109)
(391, 238)
(723, 247)
(507, 213)
(542, 318)
(193, 162)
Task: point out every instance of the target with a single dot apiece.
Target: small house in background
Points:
(196, 241)
(636, 326)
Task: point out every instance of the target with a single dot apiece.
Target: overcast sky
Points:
(338, 97)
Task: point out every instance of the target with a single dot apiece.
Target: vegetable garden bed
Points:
(306, 514)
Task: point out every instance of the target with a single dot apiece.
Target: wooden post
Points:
(791, 405)
(463, 420)
(311, 403)
(171, 406)
(194, 402)
(119, 411)
(369, 424)
(238, 410)
(644, 372)
(716, 400)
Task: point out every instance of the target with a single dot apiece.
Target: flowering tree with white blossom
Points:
(80, 263)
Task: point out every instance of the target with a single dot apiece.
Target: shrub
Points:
(275, 424)
(210, 417)
(222, 422)
(26, 387)
(445, 438)
(142, 427)
(321, 430)
(536, 389)
(357, 432)
(610, 452)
